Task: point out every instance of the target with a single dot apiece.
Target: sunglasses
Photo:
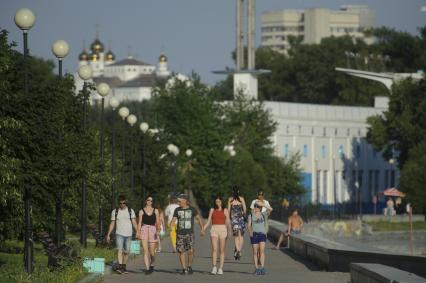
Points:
(149, 200)
(122, 202)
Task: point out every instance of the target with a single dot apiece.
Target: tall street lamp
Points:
(60, 49)
(144, 128)
(103, 90)
(85, 73)
(188, 153)
(131, 119)
(174, 150)
(124, 113)
(113, 102)
(25, 20)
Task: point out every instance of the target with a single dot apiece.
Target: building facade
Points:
(313, 24)
(338, 164)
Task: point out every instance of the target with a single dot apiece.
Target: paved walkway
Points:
(281, 266)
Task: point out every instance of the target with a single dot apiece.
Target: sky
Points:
(196, 35)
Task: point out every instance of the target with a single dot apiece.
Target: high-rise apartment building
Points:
(314, 24)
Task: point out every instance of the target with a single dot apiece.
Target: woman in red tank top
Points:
(219, 218)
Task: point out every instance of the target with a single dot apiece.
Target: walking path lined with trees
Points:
(281, 266)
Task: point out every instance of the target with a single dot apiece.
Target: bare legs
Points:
(239, 241)
(148, 253)
(259, 255)
(190, 258)
(280, 240)
(222, 244)
(122, 257)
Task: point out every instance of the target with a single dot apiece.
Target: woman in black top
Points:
(148, 232)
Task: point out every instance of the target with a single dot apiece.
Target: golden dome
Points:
(94, 56)
(83, 56)
(110, 56)
(97, 46)
(162, 58)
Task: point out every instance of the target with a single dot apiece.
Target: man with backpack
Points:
(123, 219)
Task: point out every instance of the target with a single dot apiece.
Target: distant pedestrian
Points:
(170, 210)
(238, 210)
(183, 218)
(162, 228)
(149, 232)
(257, 221)
(219, 218)
(261, 198)
(123, 219)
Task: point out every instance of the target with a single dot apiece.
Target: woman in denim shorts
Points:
(257, 228)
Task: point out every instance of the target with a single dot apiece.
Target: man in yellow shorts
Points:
(170, 209)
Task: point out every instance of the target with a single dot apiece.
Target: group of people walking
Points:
(224, 219)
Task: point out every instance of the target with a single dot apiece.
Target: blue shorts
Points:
(257, 238)
(123, 243)
(295, 232)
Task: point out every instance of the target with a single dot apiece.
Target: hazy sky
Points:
(195, 34)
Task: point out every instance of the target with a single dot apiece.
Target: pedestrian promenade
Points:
(281, 266)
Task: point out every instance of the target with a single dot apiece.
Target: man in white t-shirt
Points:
(261, 201)
(123, 219)
(170, 209)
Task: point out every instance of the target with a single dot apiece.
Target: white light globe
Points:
(175, 150)
(85, 72)
(60, 49)
(123, 112)
(188, 152)
(25, 19)
(103, 89)
(170, 147)
(113, 102)
(144, 127)
(232, 153)
(131, 119)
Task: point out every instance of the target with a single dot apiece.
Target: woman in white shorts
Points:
(219, 218)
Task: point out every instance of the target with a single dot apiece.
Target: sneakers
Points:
(184, 272)
(220, 271)
(238, 255)
(190, 271)
(260, 271)
(118, 270)
(123, 269)
(214, 270)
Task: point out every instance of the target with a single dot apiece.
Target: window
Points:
(358, 151)
(376, 180)
(370, 181)
(386, 179)
(392, 178)
(325, 189)
(341, 152)
(286, 150)
(323, 151)
(305, 150)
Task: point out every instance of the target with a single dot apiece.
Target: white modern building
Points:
(336, 160)
(129, 79)
(314, 24)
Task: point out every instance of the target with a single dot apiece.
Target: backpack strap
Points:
(130, 213)
(116, 214)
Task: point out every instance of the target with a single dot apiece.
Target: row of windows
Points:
(270, 37)
(283, 28)
(346, 29)
(340, 151)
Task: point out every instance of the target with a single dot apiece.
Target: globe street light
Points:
(113, 102)
(25, 19)
(85, 73)
(174, 150)
(123, 112)
(188, 153)
(131, 119)
(144, 128)
(60, 49)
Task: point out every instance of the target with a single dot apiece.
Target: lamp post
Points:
(85, 73)
(174, 150)
(124, 113)
(231, 151)
(131, 119)
(334, 187)
(113, 102)
(188, 153)
(25, 19)
(60, 49)
(144, 128)
(103, 90)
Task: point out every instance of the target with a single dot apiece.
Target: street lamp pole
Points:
(60, 49)
(144, 127)
(188, 153)
(113, 102)
(85, 73)
(25, 19)
(131, 119)
(334, 187)
(124, 113)
(103, 90)
(174, 150)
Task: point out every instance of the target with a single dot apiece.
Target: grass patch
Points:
(383, 226)
(12, 264)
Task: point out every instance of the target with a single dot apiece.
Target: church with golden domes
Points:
(130, 79)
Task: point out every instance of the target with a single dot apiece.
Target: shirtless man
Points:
(295, 223)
